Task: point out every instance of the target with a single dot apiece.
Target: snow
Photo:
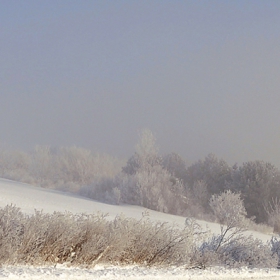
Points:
(136, 273)
(29, 198)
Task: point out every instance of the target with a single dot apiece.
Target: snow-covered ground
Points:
(135, 273)
(29, 198)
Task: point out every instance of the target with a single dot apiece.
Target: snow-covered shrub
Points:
(150, 243)
(238, 251)
(11, 232)
(231, 247)
(275, 247)
(247, 251)
(82, 239)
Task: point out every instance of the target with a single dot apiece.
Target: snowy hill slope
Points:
(28, 198)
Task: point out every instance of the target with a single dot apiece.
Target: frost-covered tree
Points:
(258, 182)
(213, 171)
(158, 192)
(76, 165)
(175, 165)
(146, 155)
(42, 167)
(200, 198)
(15, 165)
(273, 214)
(229, 211)
(153, 184)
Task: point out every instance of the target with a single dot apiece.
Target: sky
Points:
(203, 76)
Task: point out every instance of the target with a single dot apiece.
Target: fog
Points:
(203, 76)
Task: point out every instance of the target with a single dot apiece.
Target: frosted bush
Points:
(238, 251)
(81, 239)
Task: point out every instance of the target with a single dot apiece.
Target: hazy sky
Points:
(204, 76)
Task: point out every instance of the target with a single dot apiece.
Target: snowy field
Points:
(29, 198)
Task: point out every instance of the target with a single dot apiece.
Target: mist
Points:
(202, 76)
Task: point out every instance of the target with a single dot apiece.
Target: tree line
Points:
(158, 182)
